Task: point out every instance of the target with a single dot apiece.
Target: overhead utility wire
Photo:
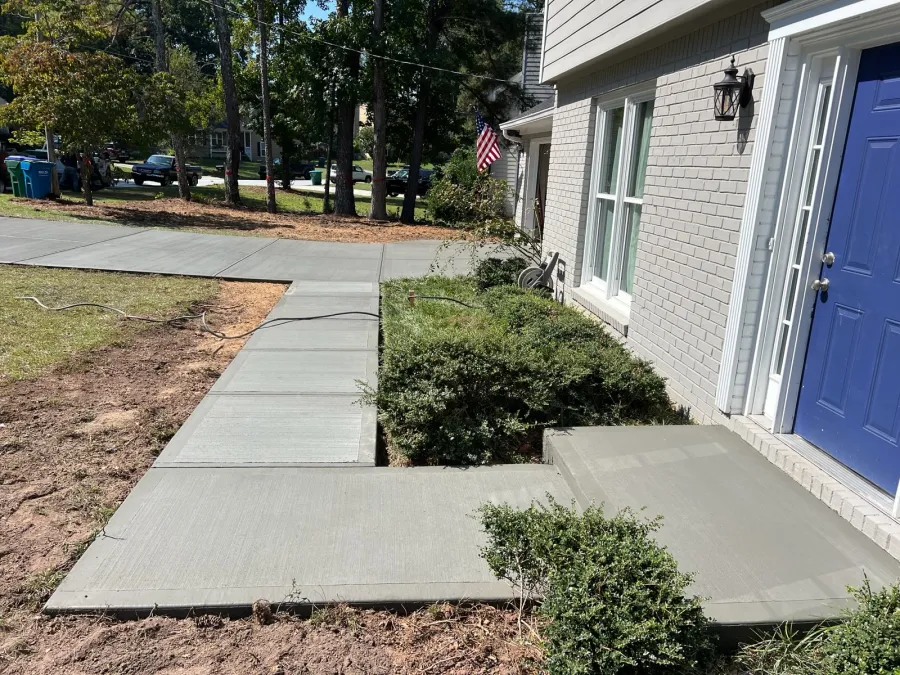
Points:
(279, 27)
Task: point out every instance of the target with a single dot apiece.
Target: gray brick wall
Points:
(694, 194)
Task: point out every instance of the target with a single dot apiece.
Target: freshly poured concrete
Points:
(223, 538)
(268, 489)
(255, 430)
(161, 252)
(298, 372)
(762, 548)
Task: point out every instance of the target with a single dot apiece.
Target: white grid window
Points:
(620, 168)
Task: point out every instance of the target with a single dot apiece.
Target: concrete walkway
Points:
(270, 490)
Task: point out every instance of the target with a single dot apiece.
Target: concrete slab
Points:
(298, 248)
(223, 538)
(422, 249)
(274, 431)
(400, 268)
(283, 261)
(160, 252)
(763, 549)
(17, 249)
(86, 233)
(333, 288)
(296, 372)
(308, 305)
(311, 335)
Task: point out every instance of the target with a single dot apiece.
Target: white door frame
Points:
(803, 33)
(532, 158)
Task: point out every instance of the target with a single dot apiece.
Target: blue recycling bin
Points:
(38, 177)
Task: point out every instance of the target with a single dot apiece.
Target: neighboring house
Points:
(515, 164)
(701, 241)
(211, 143)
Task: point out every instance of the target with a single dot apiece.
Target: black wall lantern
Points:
(732, 91)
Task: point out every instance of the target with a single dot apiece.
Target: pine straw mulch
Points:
(215, 217)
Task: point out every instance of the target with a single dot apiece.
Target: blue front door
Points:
(850, 395)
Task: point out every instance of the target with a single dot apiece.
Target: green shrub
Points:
(492, 272)
(463, 197)
(868, 642)
(462, 385)
(613, 599)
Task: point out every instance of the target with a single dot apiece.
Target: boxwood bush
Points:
(474, 385)
(461, 196)
(613, 600)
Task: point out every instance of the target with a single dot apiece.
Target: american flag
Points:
(487, 148)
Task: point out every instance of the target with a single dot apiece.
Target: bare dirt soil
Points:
(73, 443)
(213, 217)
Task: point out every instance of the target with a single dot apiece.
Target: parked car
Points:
(299, 170)
(360, 175)
(396, 182)
(162, 169)
(117, 153)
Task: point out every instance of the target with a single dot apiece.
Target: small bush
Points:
(492, 272)
(867, 642)
(463, 197)
(463, 385)
(613, 599)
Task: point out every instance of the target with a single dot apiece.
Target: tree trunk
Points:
(438, 13)
(86, 172)
(162, 66)
(232, 115)
(408, 215)
(266, 114)
(344, 199)
(184, 183)
(378, 205)
(326, 205)
(51, 157)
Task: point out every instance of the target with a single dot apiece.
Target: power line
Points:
(279, 27)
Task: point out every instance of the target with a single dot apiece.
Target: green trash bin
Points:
(316, 177)
(16, 176)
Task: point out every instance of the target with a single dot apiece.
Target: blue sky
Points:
(313, 11)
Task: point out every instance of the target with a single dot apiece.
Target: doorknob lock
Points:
(828, 258)
(820, 285)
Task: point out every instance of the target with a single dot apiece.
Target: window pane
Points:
(612, 143)
(782, 349)
(605, 208)
(823, 113)
(629, 253)
(643, 121)
(813, 171)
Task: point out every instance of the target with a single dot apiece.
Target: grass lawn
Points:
(32, 339)
(294, 201)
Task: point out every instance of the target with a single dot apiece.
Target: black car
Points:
(161, 169)
(299, 170)
(396, 182)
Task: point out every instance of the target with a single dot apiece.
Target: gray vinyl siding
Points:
(693, 202)
(506, 168)
(580, 32)
(531, 60)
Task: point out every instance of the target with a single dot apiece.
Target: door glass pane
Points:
(823, 114)
(643, 121)
(605, 209)
(811, 178)
(632, 225)
(612, 143)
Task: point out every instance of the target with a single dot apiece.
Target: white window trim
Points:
(603, 292)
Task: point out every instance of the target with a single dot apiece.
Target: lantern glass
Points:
(726, 100)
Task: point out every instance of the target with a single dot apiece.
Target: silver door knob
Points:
(820, 285)
(828, 258)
